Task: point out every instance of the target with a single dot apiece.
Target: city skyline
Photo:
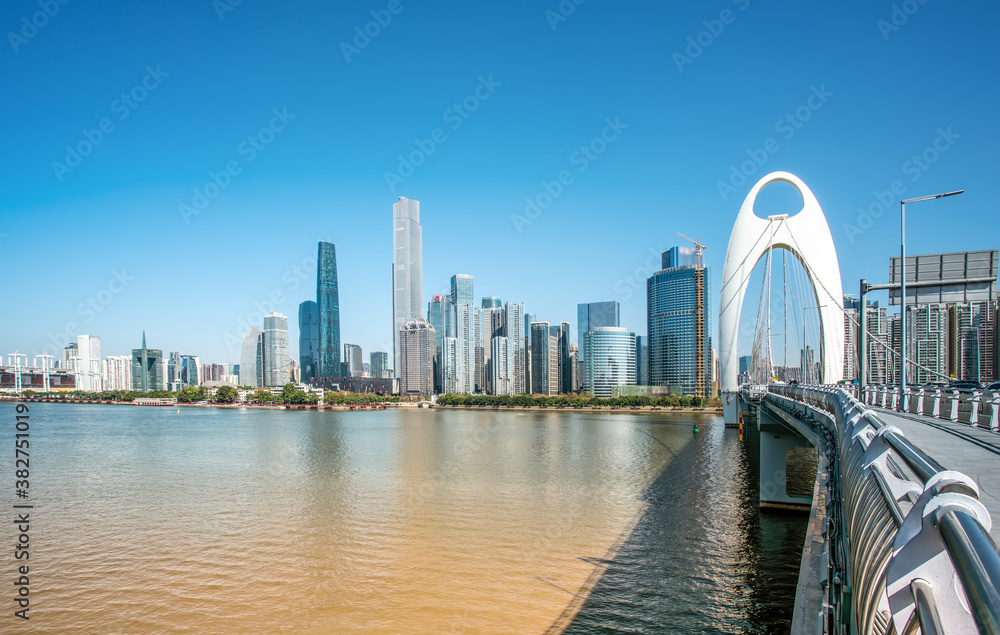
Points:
(322, 180)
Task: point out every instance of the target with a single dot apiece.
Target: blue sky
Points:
(895, 80)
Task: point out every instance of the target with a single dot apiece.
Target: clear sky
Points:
(159, 96)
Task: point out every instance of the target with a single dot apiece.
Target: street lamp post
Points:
(803, 362)
(902, 287)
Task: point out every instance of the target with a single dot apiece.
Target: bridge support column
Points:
(731, 408)
(776, 439)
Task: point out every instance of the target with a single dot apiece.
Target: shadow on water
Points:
(702, 558)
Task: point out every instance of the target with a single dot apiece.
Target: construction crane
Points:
(699, 319)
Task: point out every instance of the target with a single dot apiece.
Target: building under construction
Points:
(679, 322)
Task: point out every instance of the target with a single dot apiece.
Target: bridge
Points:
(900, 537)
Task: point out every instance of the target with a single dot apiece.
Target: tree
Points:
(287, 392)
(262, 395)
(191, 393)
(226, 394)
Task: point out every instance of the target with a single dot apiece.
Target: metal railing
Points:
(908, 547)
(977, 408)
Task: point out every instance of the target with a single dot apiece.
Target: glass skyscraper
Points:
(407, 268)
(274, 339)
(462, 289)
(147, 368)
(328, 301)
(250, 366)
(590, 316)
(672, 325)
(308, 340)
(492, 302)
(612, 359)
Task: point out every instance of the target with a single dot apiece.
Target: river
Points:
(200, 520)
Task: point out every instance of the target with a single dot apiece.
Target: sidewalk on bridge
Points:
(957, 446)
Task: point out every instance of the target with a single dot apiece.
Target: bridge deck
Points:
(957, 446)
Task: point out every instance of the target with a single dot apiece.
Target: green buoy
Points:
(696, 428)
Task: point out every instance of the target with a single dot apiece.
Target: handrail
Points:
(949, 496)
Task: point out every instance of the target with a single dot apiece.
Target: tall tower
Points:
(407, 269)
(275, 346)
(328, 299)
(308, 340)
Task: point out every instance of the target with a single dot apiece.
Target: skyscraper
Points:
(416, 343)
(612, 359)
(466, 336)
(514, 330)
(502, 366)
(328, 300)
(274, 340)
(189, 371)
(590, 316)
(308, 340)
(529, 318)
(641, 360)
(675, 345)
(492, 302)
(147, 368)
(379, 365)
(117, 372)
(540, 359)
(407, 272)
(250, 363)
(353, 364)
(88, 366)
(462, 289)
(565, 360)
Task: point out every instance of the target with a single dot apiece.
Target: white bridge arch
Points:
(807, 236)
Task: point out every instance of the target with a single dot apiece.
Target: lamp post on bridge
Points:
(902, 287)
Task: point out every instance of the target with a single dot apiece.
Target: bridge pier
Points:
(778, 440)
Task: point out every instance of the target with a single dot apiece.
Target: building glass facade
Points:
(672, 328)
(612, 359)
(407, 267)
(328, 301)
(274, 347)
(147, 368)
(308, 340)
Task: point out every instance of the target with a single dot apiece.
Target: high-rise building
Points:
(641, 360)
(117, 372)
(612, 359)
(328, 300)
(250, 359)
(492, 302)
(927, 346)
(274, 344)
(88, 364)
(354, 365)
(502, 366)
(189, 371)
(565, 360)
(416, 343)
(379, 365)
(462, 289)
(540, 359)
(680, 347)
(492, 327)
(574, 365)
(452, 373)
(514, 330)
(465, 333)
(172, 378)
(529, 318)
(407, 272)
(971, 348)
(879, 368)
(590, 316)
(308, 340)
(70, 355)
(147, 368)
